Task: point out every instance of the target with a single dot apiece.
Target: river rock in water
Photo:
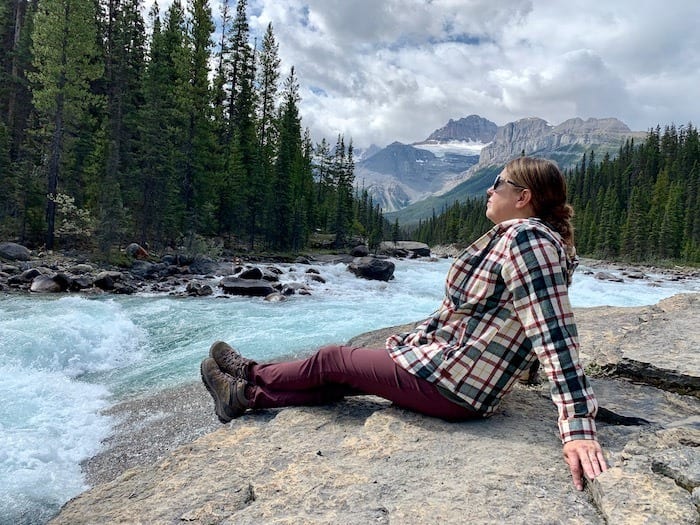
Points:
(372, 268)
(249, 287)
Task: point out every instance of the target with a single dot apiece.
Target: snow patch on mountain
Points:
(453, 147)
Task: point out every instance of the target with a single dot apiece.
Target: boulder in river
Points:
(56, 283)
(372, 268)
(250, 287)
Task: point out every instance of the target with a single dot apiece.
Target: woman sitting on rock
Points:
(506, 305)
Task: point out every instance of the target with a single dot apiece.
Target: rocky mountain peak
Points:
(402, 175)
(592, 125)
(564, 142)
(472, 128)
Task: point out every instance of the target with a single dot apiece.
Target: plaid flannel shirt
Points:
(506, 304)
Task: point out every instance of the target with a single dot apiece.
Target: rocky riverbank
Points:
(22, 270)
(363, 460)
(177, 274)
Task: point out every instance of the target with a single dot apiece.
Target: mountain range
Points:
(460, 159)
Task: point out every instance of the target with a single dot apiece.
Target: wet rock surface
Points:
(365, 461)
(185, 276)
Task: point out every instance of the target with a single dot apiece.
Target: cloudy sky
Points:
(385, 70)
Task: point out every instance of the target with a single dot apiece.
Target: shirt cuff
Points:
(577, 428)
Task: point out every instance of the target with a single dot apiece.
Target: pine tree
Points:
(124, 58)
(66, 62)
(395, 232)
(636, 228)
(238, 65)
(302, 194)
(671, 225)
(199, 188)
(324, 184)
(5, 179)
(343, 175)
(287, 166)
(608, 225)
(163, 122)
(16, 25)
(219, 97)
(691, 234)
(267, 86)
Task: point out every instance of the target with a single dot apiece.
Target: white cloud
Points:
(384, 70)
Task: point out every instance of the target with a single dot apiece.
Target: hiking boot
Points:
(228, 392)
(230, 361)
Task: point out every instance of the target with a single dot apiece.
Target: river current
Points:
(64, 359)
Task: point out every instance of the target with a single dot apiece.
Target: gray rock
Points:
(274, 270)
(296, 288)
(533, 134)
(416, 249)
(670, 357)
(198, 289)
(237, 286)
(124, 288)
(607, 276)
(81, 282)
(9, 268)
(315, 278)
(364, 460)
(636, 497)
(146, 269)
(137, 251)
(360, 251)
(81, 268)
(681, 464)
(253, 274)
(372, 268)
(14, 251)
(49, 284)
(30, 274)
(275, 297)
(106, 280)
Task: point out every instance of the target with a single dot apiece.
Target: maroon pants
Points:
(337, 371)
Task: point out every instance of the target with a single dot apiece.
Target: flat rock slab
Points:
(365, 461)
(358, 462)
(657, 344)
(632, 497)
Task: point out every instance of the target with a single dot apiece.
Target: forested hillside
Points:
(116, 129)
(640, 206)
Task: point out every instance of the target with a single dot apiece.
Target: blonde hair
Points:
(548, 188)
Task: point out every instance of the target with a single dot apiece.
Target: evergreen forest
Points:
(163, 130)
(641, 206)
(115, 128)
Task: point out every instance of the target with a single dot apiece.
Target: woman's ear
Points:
(524, 199)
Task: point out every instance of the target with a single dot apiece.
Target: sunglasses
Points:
(499, 181)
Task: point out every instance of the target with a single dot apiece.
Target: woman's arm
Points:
(535, 273)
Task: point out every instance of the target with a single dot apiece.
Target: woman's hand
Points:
(584, 456)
